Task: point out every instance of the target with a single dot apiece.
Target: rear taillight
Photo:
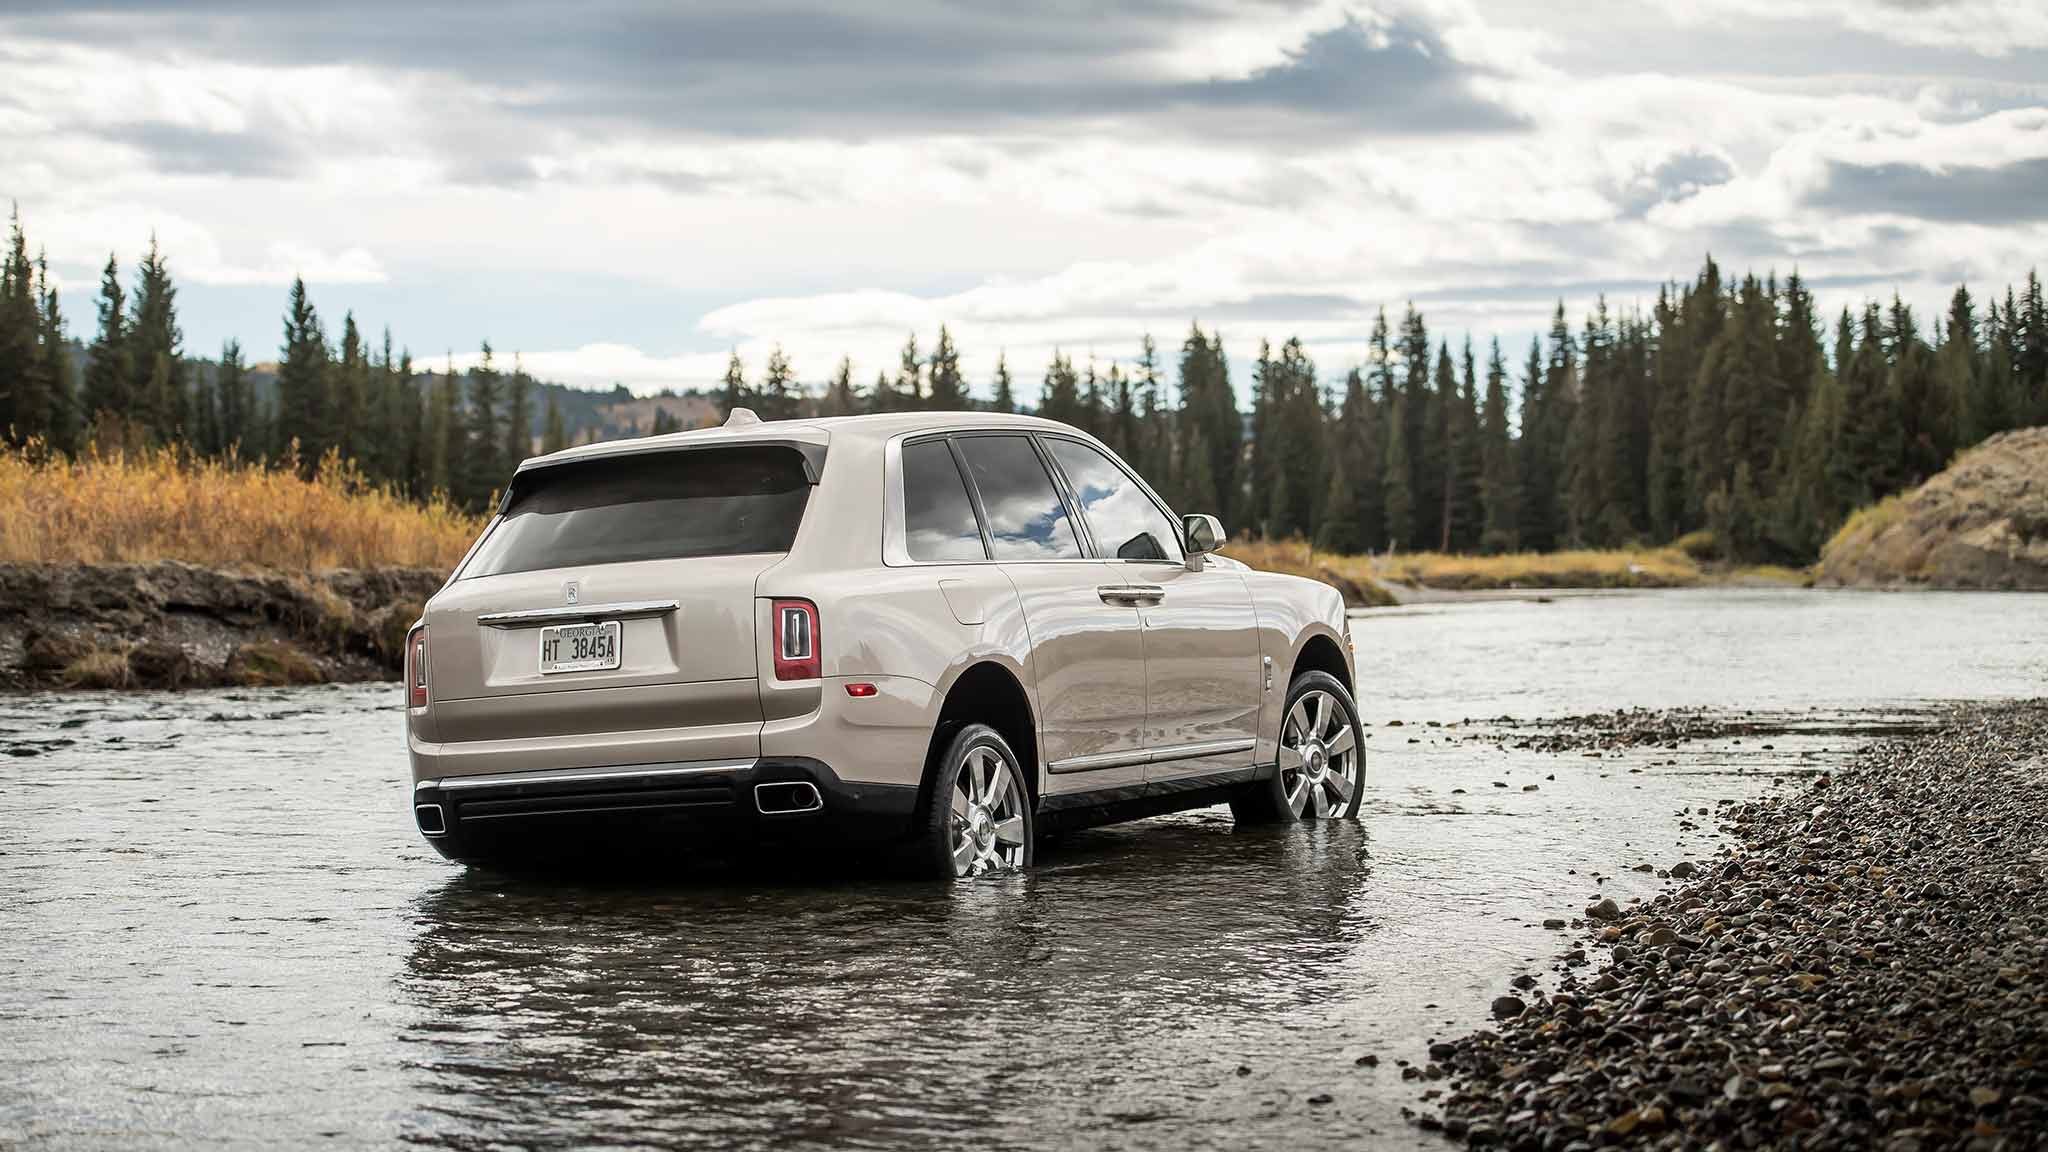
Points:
(416, 666)
(795, 645)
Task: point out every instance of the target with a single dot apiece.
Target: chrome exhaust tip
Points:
(784, 797)
(431, 820)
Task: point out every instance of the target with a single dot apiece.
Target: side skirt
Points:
(1072, 810)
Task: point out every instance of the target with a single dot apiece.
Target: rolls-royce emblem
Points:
(569, 592)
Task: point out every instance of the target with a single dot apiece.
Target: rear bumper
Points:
(535, 816)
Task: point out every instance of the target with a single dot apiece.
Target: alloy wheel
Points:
(988, 815)
(1320, 765)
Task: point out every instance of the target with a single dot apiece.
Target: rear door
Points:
(1087, 656)
(1203, 676)
(616, 595)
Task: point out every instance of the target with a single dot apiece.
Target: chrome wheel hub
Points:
(1321, 764)
(987, 816)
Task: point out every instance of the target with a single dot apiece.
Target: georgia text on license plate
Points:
(579, 647)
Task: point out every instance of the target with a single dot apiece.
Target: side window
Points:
(1026, 520)
(1125, 522)
(938, 517)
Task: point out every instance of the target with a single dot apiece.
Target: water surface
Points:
(217, 927)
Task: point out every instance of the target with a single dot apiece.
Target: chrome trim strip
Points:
(1196, 751)
(622, 610)
(577, 775)
(1098, 761)
(1207, 748)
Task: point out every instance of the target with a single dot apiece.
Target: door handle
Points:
(1139, 595)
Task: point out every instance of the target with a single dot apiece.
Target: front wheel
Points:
(979, 818)
(1321, 773)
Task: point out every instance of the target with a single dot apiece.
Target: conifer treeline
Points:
(1726, 407)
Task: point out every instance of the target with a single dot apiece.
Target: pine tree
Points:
(879, 398)
(62, 429)
(518, 415)
(1664, 479)
(1500, 491)
(1537, 478)
(1399, 488)
(447, 437)
(1123, 415)
(1151, 444)
(1005, 394)
(158, 384)
(840, 396)
(736, 394)
(949, 388)
(236, 403)
(553, 438)
(779, 396)
(909, 389)
(347, 390)
(1465, 467)
(483, 470)
(1061, 397)
(302, 415)
(107, 368)
(1093, 410)
(1424, 459)
(24, 408)
(1354, 506)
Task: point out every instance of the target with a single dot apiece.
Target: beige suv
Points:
(950, 631)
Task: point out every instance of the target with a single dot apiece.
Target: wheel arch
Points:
(1322, 651)
(985, 692)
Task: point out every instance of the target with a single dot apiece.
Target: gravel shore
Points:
(1866, 967)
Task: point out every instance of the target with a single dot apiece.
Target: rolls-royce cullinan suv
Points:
(948, 633)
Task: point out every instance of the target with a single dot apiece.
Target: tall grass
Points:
(1620, 568)
(163, 504)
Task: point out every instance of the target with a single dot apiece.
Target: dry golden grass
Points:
(164, 505)
(1620, 568)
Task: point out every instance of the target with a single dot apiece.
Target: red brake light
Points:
(794, 644)
(416, 666)
(860, 690)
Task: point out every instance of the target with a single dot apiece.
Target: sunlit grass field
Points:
(163, 504)
(1617, 568)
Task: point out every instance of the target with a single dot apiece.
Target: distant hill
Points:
(1982, 523)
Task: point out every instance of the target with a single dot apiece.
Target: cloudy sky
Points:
(626, 192)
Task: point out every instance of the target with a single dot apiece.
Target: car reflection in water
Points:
(1112, 987)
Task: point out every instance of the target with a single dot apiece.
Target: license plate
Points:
(579, 647)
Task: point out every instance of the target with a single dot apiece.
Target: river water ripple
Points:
(217, 927)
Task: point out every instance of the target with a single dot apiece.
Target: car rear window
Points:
(649, 506)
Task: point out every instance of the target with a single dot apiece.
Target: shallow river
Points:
(218, 928)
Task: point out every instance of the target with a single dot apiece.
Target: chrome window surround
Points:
(896, 554)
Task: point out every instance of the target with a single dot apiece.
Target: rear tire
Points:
(979, 816)
(1321, 769)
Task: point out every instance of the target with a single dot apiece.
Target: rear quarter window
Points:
(648, 506)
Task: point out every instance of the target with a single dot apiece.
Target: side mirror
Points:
(1201, 534)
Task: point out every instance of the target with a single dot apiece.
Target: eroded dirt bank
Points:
(1866, 966)
(173, 625)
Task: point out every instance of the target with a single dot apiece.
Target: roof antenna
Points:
(739, 416)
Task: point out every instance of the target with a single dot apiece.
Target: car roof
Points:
(817, 430)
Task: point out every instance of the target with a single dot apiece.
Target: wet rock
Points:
(1683, 870)
(271, 664)
(157, 664)
(1505, 1007)
(1604, 909)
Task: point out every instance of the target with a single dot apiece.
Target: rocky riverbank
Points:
(1865, 967)
(174, 625)
(1982, 523)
